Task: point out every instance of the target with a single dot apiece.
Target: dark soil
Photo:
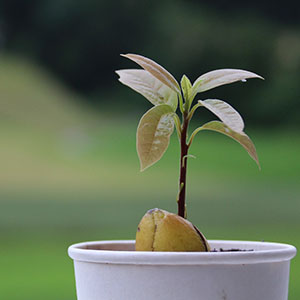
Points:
(230, 250)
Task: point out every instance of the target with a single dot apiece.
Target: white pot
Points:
(113, 270)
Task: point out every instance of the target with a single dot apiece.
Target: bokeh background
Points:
(69, 169)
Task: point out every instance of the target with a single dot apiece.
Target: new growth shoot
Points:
(156, 126)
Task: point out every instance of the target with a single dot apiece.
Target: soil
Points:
(230, 250)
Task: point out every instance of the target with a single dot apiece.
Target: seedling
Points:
(157, 125)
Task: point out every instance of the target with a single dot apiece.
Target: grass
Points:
(73, 177)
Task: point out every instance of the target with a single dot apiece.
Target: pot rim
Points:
(122, 252)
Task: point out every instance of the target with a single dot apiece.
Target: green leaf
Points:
(225, 112)
(153, 134)
(216, 78)
(186, 87)
(156, 70)
(151, 88)
(240, 137)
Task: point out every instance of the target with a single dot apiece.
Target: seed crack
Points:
(154, 232)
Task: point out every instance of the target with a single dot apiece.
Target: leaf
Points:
(151, 88)
(225, 112)
(216, 78)
(186, 87)
(153, 134)
(156, 70)
(240, 137)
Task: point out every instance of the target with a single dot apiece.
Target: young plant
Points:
(156, 126)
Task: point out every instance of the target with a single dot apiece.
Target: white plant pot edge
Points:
(122, 252)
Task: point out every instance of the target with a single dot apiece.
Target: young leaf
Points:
(186, 87)
(151, 88)
(240, 137)
(216, 78)
(153, 134)
(225, 112)
(156, 70)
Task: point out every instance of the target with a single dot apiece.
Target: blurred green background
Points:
(69, 169)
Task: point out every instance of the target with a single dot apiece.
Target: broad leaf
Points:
(156, 70)
(216, 78)
(225, 112)
(151, 88)
(153, 134)
(240, 137)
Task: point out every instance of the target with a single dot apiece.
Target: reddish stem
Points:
(183, 167)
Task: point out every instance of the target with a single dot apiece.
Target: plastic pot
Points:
(113, 270)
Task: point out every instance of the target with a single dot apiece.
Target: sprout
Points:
(157, 125)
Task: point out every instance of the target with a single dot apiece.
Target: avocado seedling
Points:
(160, 230)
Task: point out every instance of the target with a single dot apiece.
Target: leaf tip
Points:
(258, 165)
(260, 77)
(144, 167)
(129, 55)
(257, 76)
(255, 158)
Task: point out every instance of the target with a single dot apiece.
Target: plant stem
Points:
(183, 166)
